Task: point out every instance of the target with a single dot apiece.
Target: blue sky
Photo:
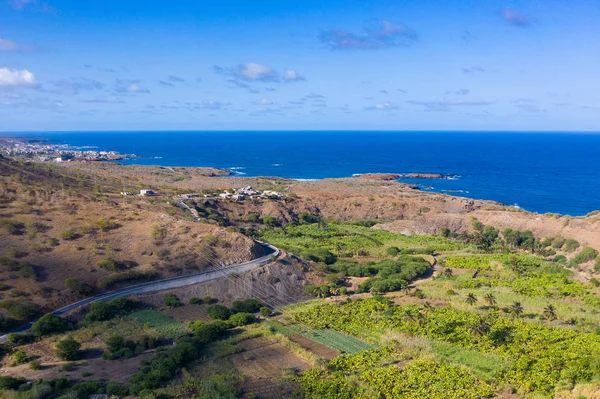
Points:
(408, 65)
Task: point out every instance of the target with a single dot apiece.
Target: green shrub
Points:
(209, 300)
(20, 309)
(219, 312)
(6, 323)
(265, 311)
(49, 324)
(172, 301)
(241, 319)
(392, 251)
(77, 286)
(68, 235)
(570, 245)
(19, 339)
(19, 357)
(109, 263)
(69, 366)
(319, 255)
(87, 389)
(195, 301)
(11, 383)
(116, 389)
(35, 365)
(103, 310)
(246, 306)
(68, 349)
(208, 332)
(270, 221)
(585, 255)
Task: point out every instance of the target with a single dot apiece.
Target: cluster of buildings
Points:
(240, 194)
(44, 152)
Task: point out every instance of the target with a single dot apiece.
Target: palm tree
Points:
(481, 327)
(447, 272)
(549, 313)
(428, 307)
(490, 299)
(471, 299)
(516, 309)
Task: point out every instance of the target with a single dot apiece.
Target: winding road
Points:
(166, 284)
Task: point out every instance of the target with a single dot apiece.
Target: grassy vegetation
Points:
(160, 322)
(336, 340)
(350, 240)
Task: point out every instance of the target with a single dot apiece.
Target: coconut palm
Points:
(516, 309)
(447, 272)
(490, 299)
(482, 327)
(471, 299)
(549, 313)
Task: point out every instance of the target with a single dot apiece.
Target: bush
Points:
(116, 389)
(570, 245)
(265, 311)
(68, 349)
(49, 324)
(68, 235)
(6, 323)
(319, 255)
(87, 389)
(109, 263)
(100, 311)
(208, 300)
(106, 224)
(209, 332)
(77, 286)
(19, 309)
(246, 306)
(585, 255)
(165, 365)
(392, 251)
(35, 365)
(11, 383)
(19, 357)
(195, 301)
(270, 221)
(172, 301)
(219, 312)
(307, 218)
(19, 339)
(241, 319)
(69, 366)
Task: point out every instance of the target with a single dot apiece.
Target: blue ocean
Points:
(540, 172)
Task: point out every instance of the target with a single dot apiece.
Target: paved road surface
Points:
(166, 284)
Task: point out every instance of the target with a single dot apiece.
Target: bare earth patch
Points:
(318, 349)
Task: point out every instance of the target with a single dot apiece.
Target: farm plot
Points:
(336, 340)
(318, 349)
(188, 313)
(269, 361)
(162, 323)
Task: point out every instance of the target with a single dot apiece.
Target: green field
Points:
(348, 240)
(162, 323)
(336, 340)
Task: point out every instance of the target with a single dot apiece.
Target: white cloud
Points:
(263, 101)
(17, 78)
(382, 107)
(254, 71)
(135, 88)
(292, 75)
